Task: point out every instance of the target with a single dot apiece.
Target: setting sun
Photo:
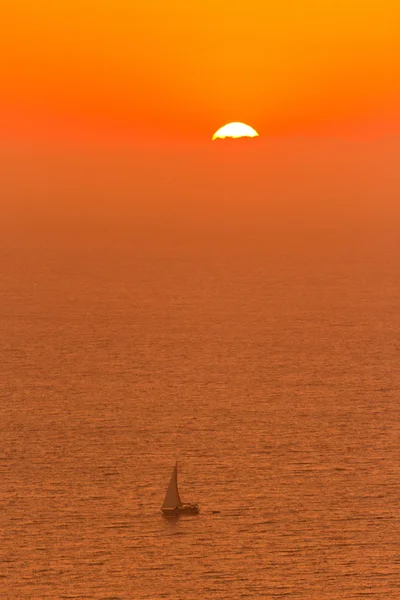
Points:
(235, 130)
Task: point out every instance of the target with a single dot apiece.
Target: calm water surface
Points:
(271, 375)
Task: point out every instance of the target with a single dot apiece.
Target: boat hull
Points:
(185, 509)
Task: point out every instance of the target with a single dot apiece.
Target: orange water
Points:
(270, 372)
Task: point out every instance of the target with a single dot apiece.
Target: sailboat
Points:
(173, 505)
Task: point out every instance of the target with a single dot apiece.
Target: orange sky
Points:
(182, 68)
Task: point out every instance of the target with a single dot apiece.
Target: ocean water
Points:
(269, 371)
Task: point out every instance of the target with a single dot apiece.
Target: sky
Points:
(107, 110)
(154, 69)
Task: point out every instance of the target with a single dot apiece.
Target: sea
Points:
(268, 367)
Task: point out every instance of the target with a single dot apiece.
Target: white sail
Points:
(172, 498)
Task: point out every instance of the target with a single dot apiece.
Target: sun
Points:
(235, 130)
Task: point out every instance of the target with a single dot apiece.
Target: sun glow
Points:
(235, 130)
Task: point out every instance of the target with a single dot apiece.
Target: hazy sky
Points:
(183, 69)
(107, 110)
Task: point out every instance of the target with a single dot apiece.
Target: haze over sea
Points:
(245, 321)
